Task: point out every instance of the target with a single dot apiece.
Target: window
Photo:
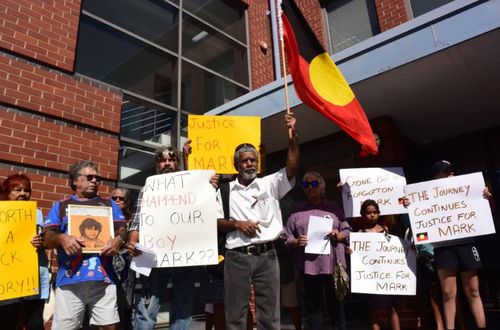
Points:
(134, 45)
(420, 7)
(214, 50)
(154, 20)
(350, 22)
(224, 15)
(116, 58)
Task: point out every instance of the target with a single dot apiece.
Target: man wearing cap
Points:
(183, 278)
(83, 280)
(458, 257)
(254, 223)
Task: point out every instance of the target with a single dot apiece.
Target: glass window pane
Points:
(111, 56)
(203, 91)
(136, 163)
(420, 7)
(351, 21)
(214, 51)
(154, 20)
(228, 16)
(144, 121)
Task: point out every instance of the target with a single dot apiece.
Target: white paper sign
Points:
(382, 264)
(384, 185)
(179, 219)
(449, 209)
(144, 261)
(317, 229)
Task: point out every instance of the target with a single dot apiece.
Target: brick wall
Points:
(391, 13)
(259, 25)
(42, 30)
(48, 186)
(39, 89)
(259, 29)
(49, 117)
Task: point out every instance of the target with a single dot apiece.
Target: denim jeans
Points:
(240, 271)
(154, 292)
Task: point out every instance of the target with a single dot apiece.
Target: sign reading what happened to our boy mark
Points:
(178, 219)
(18, 258)
(449, 209)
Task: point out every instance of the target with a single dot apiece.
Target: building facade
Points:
(112, 80)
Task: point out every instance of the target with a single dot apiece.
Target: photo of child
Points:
(90, 230)
(91, 224)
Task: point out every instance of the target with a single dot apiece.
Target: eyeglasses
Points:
(118, 198)
(313, 184)
(91, 177)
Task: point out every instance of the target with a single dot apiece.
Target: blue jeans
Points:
(154, 291)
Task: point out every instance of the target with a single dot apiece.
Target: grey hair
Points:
(318, 176)
(125, 191)
(165, 153)
(245, 147)
(75, 170)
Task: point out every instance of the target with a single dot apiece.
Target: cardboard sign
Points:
(214, 138)
(18, 258)
(382, 264)
(384, 185)
(93, 224)
(449, 209)
(178, 219)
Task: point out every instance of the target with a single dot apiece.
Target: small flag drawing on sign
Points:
(422, 237)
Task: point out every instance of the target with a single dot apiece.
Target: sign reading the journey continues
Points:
(214, 138)
(449, 209)
(178, 219)
(384, 185)
(382, 264)
(18, 258)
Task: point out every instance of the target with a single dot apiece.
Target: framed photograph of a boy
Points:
(92, 224)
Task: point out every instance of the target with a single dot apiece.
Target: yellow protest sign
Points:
(214, 138)
(18, 258)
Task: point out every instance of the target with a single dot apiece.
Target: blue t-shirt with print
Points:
(82, 267)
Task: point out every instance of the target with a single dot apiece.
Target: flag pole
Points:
(283, 62)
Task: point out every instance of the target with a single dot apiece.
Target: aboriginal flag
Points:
(319, 83)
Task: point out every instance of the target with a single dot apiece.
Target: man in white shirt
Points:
(254, 223)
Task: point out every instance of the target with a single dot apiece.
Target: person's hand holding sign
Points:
(70, 244)
(112, 247)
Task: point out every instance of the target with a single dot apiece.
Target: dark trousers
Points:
(316, 287)
(240, 271)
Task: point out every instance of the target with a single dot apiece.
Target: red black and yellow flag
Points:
(319, 83)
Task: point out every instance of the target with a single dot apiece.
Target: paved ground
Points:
(493, 318)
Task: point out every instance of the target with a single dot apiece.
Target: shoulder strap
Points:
(63, 205)
(224, 193)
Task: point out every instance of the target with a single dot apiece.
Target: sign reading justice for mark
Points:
(449, 209)
(214, 138)
(382, 264)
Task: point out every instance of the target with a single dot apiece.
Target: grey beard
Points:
(167, 170)
(249, 175)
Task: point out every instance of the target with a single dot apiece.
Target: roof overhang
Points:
(436, 76)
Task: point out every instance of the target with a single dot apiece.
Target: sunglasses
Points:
(118, 198)
(91, 177)
(313, 184)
